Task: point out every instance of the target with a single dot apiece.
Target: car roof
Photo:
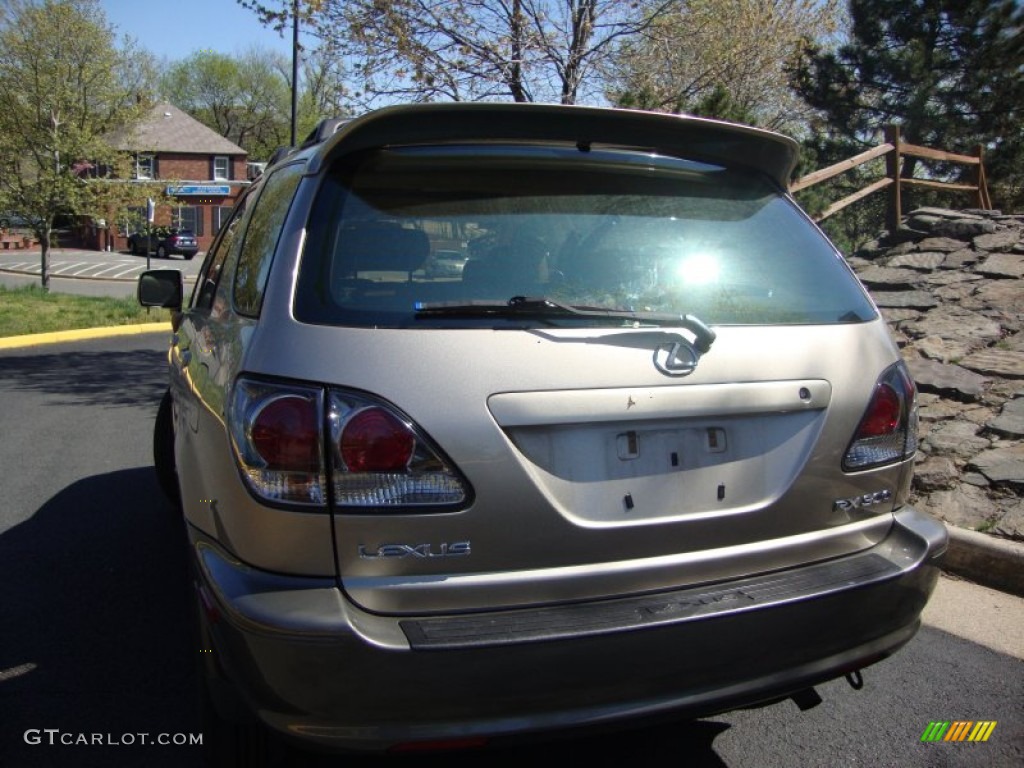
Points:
(682, 136)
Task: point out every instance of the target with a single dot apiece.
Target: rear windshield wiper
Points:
(527, 306)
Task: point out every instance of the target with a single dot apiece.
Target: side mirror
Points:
(161, 288)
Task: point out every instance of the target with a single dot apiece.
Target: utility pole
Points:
(295, 67)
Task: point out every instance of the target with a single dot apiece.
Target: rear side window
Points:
(213, 266)
(261, 238)
(393, 230)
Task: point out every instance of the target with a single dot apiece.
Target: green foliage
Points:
(859, 223)
(64, 87)
(720, 103)
(722, 58)
(323, 92)
(244, 98)
(949, 73)
(717, 102)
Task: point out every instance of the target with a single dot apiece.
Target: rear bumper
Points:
(317, 668)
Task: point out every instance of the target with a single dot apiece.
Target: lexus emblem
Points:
(675, 358)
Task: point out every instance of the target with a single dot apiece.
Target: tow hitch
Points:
(806, 699)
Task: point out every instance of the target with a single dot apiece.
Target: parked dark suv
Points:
(646, 451)
(179, 242)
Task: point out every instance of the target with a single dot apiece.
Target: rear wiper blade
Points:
(519, 306)
(514, 307)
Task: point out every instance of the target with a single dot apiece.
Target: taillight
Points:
(286, 433)
(373, 456)
(887, 432)
(382, 461)
(277, 435)
(883, 414)
(375, 441)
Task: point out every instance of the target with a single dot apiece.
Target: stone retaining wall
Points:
(950, 286)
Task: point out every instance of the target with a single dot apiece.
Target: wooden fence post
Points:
(894, 212)
(984, 200)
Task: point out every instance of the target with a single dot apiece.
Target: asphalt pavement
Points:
(89, 273)
(95, 613)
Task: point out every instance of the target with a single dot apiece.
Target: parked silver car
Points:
(647, 453)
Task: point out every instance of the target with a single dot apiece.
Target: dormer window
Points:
(145, 167)
(220, 168)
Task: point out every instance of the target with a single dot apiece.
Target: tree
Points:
(64, 86)
(244, 98)
(324, 92)
(948, 71)
(423, 50)
(724, 59)
(278, 14)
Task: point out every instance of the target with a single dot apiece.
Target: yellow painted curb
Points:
(54, 337)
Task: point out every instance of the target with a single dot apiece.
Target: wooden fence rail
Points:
(894, 150)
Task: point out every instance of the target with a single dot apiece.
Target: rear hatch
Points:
(602, 445)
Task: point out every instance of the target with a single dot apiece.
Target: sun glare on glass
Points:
(699, 269)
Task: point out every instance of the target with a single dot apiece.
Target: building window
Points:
(189, 217)
(220, 168)
(145, 167)
(219, 216)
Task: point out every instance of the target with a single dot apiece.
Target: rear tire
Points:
(163, 451)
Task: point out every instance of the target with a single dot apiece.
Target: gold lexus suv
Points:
(642, 449)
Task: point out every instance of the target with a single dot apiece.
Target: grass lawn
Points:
(30, 310)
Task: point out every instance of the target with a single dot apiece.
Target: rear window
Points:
(400, 229)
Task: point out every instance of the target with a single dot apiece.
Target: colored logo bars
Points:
(959, 730)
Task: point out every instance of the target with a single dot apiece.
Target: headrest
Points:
(382, 248)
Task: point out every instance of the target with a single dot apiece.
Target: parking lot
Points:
(124, 268)
(88, 272)
(96, 626)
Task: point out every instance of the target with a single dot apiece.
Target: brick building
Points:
(202, 172)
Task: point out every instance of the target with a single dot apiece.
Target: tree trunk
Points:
(44, 246)
(515, 84)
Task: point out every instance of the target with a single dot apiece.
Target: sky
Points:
(174, 29)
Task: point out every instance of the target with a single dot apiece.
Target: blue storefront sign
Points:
(209, 190)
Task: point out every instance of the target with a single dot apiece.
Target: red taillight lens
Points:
(375, 441)
(286, 434)
(887, 432)
(277, 435)
(375, 457)
(381, 460)
(883, 414)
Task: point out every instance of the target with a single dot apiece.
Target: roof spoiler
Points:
(692, 138)
(279, 154)
(323, 131)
